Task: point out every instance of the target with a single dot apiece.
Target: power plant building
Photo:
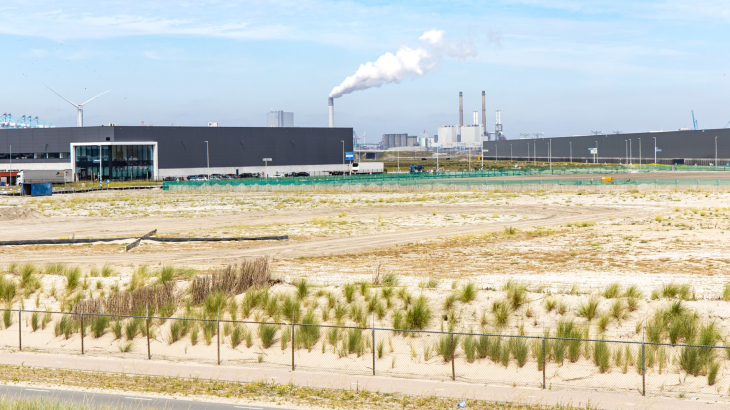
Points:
(280, 119)
(158, 152)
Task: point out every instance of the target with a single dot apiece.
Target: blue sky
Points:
(561, 67)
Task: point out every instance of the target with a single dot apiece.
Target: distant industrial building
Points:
(280, 119)
(158, 152)
(398, 140)
(689, 147)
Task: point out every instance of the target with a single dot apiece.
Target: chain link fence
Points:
(539, 361)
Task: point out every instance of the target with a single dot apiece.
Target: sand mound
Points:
(13, 213)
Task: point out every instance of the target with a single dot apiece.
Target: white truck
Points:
(367, 168)
(34, 176)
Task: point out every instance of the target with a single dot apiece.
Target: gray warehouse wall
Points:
(690, 145)
(184, 147)
(40, 140)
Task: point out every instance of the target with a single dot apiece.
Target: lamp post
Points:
(207, 159)
(570, 143)
(626, 147)
(715, 151)
(534, 152)
(631, 155)
(343, 157)
(10, 171)
(528, 152)
(437, 159)
(655, 153)
(595, 157)
(639, 152)
(101, 167)
(510, 153)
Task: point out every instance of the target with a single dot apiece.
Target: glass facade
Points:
(119, 162)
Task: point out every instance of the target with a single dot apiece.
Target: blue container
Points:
(41, 189)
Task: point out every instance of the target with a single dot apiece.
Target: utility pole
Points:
(571, 151)
(654, 152)
(631, 155)
(639, 152)
(207, 159)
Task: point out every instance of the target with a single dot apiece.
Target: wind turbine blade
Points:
(96, 97)
(75, 105)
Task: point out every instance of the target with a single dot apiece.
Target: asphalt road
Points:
(131, 401)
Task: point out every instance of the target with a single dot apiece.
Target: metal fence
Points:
(461, 178)
(540, 361)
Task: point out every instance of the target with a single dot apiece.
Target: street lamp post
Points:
(10, 171)
(626, 147)
(639, 152)
(437, 159)
(631, 155)
(550, 154)
(595, 156)
(207, 159)
(715, 151)
(101, 168)
(528, 153)
(510, 152)
(654, 152)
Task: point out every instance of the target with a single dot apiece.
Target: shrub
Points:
(604, 319)
(364, 289)
(178, 329)
(450, 301)
(7, 289)
(519, 349)
(418, 316)
(34, 321)
(712, 373)
(601, 356)
(589, 309)
(139, 277)
(612, 291)
(673, 290)
(340, 314)
(550, 304)
(66, 327)
(302, 288)
(213, 304)
(267, 333)
(308, 335)
(482, 346)
(272, 307)
(99, 325)
(72, 278)
(633, 292)
(390, 279)
(7, 318)
(132, 328)
(398, 322)
(355, 342)
(165, 275)
(632, 304)
(517, 295)
(285, 337)
(107, 270)
(194, 335)
(28, 280)
(501, 313)
(468, 293)
(237, 336)
(726, 292)
(569, 330)
(117, 329)
(469, 345)
(349, 292)
(446, 347)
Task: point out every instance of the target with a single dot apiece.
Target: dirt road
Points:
(548, 216)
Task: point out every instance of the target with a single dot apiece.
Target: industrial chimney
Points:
(484, 111)
(331, 104)
(461, 110)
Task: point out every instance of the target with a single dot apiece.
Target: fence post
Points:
(453, 369)
(373, 345)
(543, 362)
(292, 340)
(643, 364)
(218, 333)
(20, 329)
(147, 324)
(81, 309)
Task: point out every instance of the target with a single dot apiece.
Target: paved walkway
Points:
(456, 390)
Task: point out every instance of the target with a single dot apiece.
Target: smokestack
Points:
(475, 117)
(461, 110)
(484, 111)
(331, 104)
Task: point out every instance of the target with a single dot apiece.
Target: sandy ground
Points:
(562, 245)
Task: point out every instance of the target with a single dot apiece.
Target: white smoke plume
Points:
(406, 63)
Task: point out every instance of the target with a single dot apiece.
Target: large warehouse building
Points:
(690, 147)
(159, 152)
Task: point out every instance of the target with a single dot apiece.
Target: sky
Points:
(558, 67)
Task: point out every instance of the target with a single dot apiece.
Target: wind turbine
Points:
(79, 107)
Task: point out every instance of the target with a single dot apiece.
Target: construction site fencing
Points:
(464, 183)
(539, 361)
